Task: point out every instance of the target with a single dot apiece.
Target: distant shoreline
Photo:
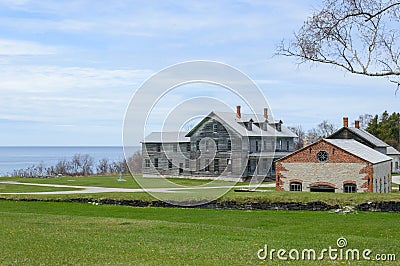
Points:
(20, 157)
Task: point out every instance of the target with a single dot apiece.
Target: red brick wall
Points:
(368, 184)
(279, 175)
(335, 154)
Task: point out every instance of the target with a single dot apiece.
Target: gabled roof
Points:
(353, 147)
(166, 137)
(392, 151)
(360, 150)
(365, 135)
(237, 124)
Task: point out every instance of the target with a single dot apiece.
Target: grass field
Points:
(112, 181)
(44, 233)
(197, 194)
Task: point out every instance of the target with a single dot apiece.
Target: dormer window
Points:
(249, 125)
(215, 128)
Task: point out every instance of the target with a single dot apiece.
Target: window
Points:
(207, 165)
(295, 186)
(349, 188)
(174, 147)
(215, 128)
(155, 162)
(256, 145)
(287, 145)
(229, 164)
(197, 145)
(216, 144)
(158, 147)
(188, 146)
(147, 163)
(384, 184)
(187, 164)
(322, 156)
(229, 144)
(265, 145)
(216, 165)
(169, 164)
(180, 168)
(280, 144)
(207, 145)
(396, 165)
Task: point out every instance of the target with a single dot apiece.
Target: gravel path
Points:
(89, 189)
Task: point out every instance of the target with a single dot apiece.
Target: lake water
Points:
(13, 158)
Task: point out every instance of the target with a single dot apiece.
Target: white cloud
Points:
(42, 25)
(15, 47)
(32, 78)
(57, 95)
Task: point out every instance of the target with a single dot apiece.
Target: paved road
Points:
(89, 189)
(396, 179)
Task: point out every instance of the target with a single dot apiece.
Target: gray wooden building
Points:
(360, 135)
(223, 145)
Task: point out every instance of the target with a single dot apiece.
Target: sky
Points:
(68, 69)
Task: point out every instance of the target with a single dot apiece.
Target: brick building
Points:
(335, 165)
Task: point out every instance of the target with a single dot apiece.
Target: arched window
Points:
(349, 188)
(296, 186)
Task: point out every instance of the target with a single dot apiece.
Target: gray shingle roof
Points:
(230, 119)
(166, 137)
(360, 150)
(392, 151)
(368, 136)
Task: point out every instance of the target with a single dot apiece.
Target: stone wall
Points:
(336, 174)
(388, 206)
(382, 177)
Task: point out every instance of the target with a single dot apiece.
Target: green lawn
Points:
(15, 188)
(112, 181)
(43, 233)
(99, 181)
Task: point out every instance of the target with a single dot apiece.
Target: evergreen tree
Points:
(386, 128)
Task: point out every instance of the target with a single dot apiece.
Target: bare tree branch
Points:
(381, 11)
(359, 36)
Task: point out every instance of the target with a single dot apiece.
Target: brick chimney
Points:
(345, 121)
(266, 113)
(357, 124)
(238, 114)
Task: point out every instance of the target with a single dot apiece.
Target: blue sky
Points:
(69, 68)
